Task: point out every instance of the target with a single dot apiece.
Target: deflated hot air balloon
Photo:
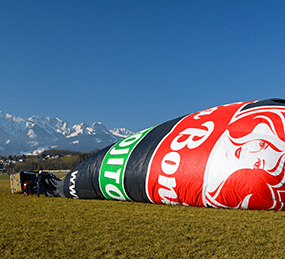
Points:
(231, 156)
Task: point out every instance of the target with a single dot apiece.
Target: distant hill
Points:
(36, 134)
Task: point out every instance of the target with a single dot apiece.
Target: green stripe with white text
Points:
(111, 176)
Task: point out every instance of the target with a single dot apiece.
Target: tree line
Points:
(48, 160)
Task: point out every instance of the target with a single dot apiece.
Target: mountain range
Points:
(36, 134)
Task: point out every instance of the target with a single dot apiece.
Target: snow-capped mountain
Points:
(36, 134)
(121, 132)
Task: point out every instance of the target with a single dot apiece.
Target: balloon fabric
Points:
(231, 156)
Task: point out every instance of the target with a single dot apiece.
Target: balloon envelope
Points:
(231, 156)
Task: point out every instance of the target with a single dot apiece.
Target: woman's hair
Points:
(244, 125)
(255, 188)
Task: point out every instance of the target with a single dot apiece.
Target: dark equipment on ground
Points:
(30, 183)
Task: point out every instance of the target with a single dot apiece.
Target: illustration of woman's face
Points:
(253, 154)
(257, 150)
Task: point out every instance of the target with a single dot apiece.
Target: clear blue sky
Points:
(135, 64)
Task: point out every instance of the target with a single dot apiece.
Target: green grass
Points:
(4, 177)
(43, 227)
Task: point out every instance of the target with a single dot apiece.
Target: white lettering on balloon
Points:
(112, 188)
(205, 112)
(72, 187)
(170, 183)
(193, 133)
(171, 161)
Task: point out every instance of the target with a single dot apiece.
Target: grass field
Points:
(43, 227)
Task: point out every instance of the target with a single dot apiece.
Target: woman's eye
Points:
(258, 146)
(262, 144)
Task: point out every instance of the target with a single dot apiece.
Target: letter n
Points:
(169, 183)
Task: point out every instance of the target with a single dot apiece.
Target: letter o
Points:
(111, 188)
(130, 140)
(170, 163)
